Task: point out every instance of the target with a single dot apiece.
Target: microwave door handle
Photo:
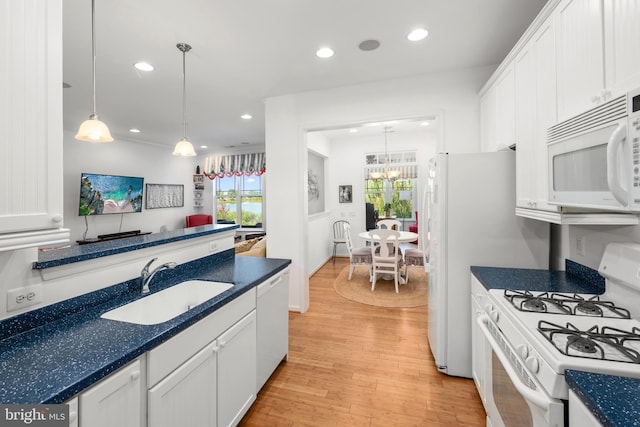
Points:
(615, 141)
(536, 397)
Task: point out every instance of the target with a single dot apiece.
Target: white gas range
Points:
(535, 336)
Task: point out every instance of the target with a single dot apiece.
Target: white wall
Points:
(319, 227)
(156, 165)
(288, 118)
(595, 239)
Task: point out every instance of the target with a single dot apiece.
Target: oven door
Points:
(515, 397)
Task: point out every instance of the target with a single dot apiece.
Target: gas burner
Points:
(605, 343)
(542, 303)
(592, 306)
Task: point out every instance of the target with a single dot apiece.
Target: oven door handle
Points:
(536, 397)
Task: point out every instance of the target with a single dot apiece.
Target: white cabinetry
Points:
(114, 401)
(535, 110)
(580, 56)
(206, 373)
(621, 45)
(579, 414)
(273, 324)
(31, 124)
(73, 412)
(237, 371)
(479, 346)
(497, 113)
(187, 396)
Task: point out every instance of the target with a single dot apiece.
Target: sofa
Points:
(256, 247)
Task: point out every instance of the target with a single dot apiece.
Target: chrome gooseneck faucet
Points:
(145, 276)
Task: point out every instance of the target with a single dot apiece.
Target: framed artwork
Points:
(345, 194)
(164, 196)
(315, 182)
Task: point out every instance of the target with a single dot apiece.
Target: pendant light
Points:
(387, 174)
(184, 147)
(93, 130)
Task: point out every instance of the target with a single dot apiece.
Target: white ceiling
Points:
(247, 50)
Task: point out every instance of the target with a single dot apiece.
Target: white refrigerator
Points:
(469, 219)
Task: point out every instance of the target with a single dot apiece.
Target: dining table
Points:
(404, 237)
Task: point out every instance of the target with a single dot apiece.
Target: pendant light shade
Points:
(93, 130)
(184, 147)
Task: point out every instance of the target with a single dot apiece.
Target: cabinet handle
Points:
(222, 344)
(73, 415)
(215, 348)
(135, 375)
(56, 218)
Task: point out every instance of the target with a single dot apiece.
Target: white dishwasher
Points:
(272, 309)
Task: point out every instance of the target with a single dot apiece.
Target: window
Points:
(239, 200)
(399, 194)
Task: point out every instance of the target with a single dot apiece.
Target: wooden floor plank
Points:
(351, 364)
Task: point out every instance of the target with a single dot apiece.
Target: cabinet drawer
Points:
(168, 356)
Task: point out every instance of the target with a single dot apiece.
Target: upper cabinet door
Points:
(580, 56)
(488, 120)
(622, 45)
(505, 108)
(31, 116)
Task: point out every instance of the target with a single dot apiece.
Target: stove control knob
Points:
(495, 315)
(488, 308)
(523, 351)
(533, 364)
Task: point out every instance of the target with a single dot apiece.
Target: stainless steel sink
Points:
(168, 303)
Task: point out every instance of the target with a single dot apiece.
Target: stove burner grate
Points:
(606, 343)
(543, 303)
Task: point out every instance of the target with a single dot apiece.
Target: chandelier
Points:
(387, 174)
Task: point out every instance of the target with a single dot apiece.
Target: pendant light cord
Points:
(93, 52)
(184, 48)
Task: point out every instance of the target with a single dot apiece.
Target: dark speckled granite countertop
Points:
(576, 279)
(615, 401)
(51, 354)
(48, 259)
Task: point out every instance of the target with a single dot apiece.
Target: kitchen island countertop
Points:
(48, 357)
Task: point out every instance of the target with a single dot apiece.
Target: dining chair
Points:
(389, 224)
(385, 255)
(413, 258)
(357, 257)
(338, 236)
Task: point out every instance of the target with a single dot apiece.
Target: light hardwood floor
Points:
(351, 364)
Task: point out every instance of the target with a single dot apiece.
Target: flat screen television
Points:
(109, 194)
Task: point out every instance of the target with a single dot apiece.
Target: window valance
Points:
(234, 164)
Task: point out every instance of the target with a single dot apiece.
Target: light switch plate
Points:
(27, 296)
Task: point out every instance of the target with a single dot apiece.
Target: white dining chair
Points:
(338, 236)
(360, 257)
(389, 224)
(385, 256)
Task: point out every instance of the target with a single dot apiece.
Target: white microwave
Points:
(594, 158)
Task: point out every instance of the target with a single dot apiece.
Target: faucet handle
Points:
(146, 267)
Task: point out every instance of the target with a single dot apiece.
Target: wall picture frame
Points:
(198, 178)
(345, 194)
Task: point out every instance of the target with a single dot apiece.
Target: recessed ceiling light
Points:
(245, 143)
(425, 124)
(246, 116)
(417, 34)
(204, 146)
(374, 124)
(324, 52)
(143, 66)
(353, 130)
(134, 130)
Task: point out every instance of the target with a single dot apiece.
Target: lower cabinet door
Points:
(114, 401)
(187, 396)
(237, 371)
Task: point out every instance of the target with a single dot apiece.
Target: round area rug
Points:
(358, 289)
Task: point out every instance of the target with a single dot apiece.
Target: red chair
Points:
(414, 228)
(199, 219)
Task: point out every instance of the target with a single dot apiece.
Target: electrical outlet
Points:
(580, 245)
(19, 298)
